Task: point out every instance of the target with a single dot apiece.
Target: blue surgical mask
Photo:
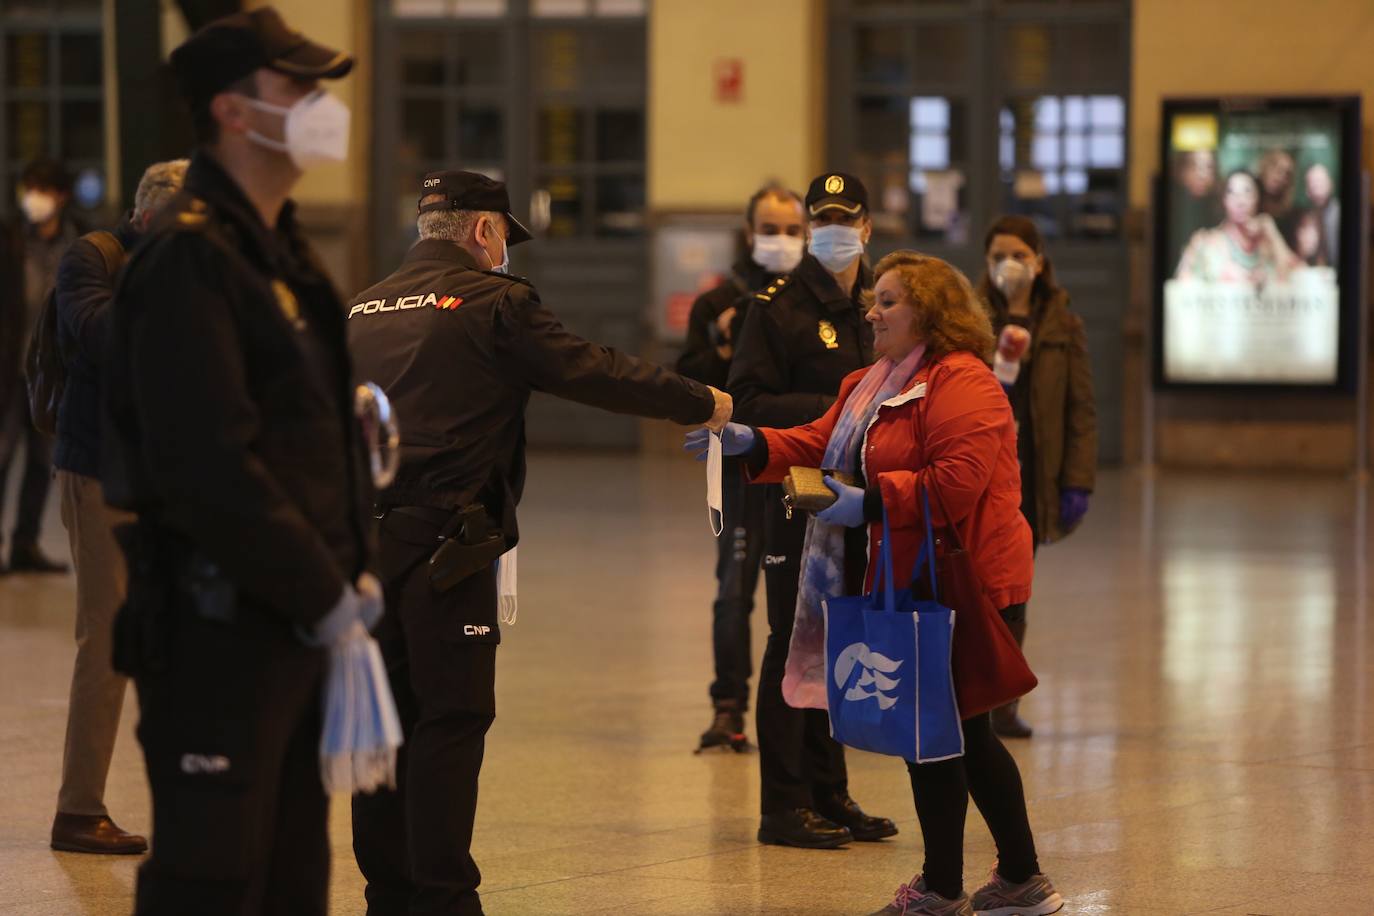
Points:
(504, 266)
(836, 246)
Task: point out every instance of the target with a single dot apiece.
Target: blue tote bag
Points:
(887, 664)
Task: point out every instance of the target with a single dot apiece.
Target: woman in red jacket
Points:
(931, 414)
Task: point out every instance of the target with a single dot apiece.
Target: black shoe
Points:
(727, 729)
(803, 828)
(28, 558)
(1007, 722)
(845, 811)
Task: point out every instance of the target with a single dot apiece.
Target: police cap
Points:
(472, 191)
(230, 48)
(836, 191)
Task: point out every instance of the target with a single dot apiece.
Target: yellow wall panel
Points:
(1240, 47)
(710, 155)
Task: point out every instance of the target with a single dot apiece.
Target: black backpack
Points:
(45, 362)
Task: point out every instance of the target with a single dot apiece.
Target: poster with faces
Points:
(1252, 241)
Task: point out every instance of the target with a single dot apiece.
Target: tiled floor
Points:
(1205, 718)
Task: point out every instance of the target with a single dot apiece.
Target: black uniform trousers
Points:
(798, 759)
(19, 437)
(739, 552)
(231, 736)
(413, 844)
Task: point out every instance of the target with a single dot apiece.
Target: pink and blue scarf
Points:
(823, 560)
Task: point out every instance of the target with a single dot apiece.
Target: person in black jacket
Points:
(775, 234)
(85, 288)
(232, 435)
(802, 335)
(458, 345)
(48, 229)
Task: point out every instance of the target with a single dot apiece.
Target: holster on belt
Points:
(467, 546)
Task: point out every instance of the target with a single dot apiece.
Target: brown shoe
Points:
(94, 833)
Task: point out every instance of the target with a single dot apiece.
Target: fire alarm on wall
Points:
(729, 79)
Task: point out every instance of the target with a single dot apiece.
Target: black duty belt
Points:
(464, 540)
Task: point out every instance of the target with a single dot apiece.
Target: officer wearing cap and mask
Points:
(231, 433)
(458, 345)
(775, 236)
(802, 335)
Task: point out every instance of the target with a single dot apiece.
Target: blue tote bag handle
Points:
(882, 576)
(927, 548)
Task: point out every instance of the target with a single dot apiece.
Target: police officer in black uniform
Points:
(801, 337)
(458, 345)
(775, 235)
(232, 435)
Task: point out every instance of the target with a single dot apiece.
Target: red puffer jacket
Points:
(969, 454)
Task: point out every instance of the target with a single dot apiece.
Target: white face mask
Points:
(38, 206)
(316, 129)
(1011, 277)
(504, 266)
(836, 247)
(777, 254)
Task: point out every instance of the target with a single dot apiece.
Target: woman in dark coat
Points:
(1042, 362)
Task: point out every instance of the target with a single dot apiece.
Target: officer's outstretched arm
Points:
(546, 356)
(198, 423)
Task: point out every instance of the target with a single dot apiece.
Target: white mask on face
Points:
(504, 266)
(836, 246)
(777, 254)
(38, 206)
(1011, 277)
(316, 129)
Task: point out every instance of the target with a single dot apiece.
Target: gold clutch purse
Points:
(805, 489)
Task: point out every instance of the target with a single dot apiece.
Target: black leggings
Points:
(988, 773)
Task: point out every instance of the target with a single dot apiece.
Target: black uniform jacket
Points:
(801, 337)
(230, 402)
(458, 351)
(83, 292)
(699, 358)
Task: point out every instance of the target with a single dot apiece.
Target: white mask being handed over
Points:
(779, 254)
(38, 206)
(836, 247)
(316, 129)
(1011, 277)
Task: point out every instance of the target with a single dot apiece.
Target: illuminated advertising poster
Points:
(1252, 240)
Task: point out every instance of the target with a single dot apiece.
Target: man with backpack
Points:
(46, 231)
(81, 301)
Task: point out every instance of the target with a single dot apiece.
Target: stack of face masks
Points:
(361, 728)
(506, 598)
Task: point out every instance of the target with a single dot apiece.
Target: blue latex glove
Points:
(1073, 505)
(848, 508)
(372, 602)
(362, 604)
(735, 439)
(332, 627)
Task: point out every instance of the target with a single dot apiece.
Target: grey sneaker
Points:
(915, 900)
(999, 897)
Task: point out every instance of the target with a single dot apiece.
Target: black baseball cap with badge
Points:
(472, 191)
(837, 191)
(230, 48)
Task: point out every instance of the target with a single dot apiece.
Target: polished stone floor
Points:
(1205, 720)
